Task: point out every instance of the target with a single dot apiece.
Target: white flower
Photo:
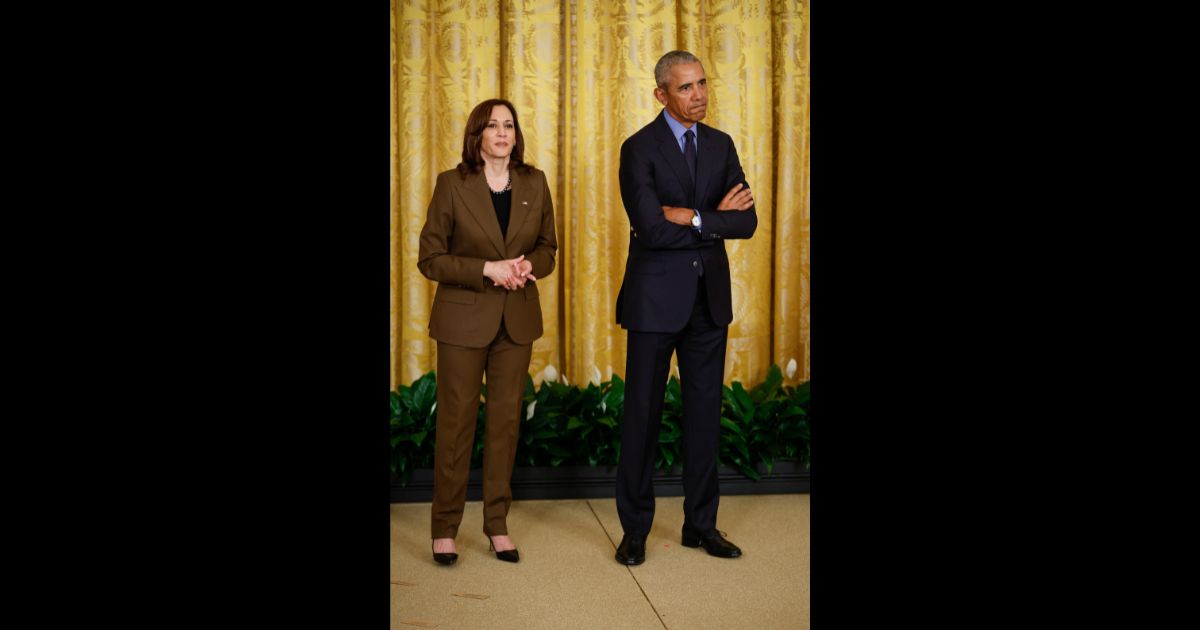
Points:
(595, 375)
(564, 379)
(529, 409)
(550, 373)
(791, 368)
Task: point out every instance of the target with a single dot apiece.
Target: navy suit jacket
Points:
(659, 287)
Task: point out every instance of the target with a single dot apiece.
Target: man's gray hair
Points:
(662, 69)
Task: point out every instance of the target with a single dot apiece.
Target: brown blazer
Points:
(461, 232)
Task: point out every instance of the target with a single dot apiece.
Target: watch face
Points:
(695, 220)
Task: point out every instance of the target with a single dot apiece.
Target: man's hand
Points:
(738, 198)
(679, 216)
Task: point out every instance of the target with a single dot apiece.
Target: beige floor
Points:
(567, 577)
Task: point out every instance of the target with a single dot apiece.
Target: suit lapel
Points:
(520, 207)
(706, 162)
(669, 147)
(478, 198)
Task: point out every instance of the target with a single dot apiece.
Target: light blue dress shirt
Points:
(678, 129)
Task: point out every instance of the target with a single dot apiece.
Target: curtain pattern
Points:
(581, 75)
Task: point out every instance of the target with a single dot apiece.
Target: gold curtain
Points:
(581, 75)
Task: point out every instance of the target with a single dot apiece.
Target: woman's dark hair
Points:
(472, 161)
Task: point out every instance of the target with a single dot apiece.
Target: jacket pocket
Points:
(457, 296)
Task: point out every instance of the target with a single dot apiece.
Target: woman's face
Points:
(499, 135)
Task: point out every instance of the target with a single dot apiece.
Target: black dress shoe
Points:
(713, 542)
(508, 555)
(632, 550)
(445, 558)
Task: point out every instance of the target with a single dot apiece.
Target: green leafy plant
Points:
(767, 423)
(413, 423)
(569, 425)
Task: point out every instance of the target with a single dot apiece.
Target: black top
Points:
(502, 202)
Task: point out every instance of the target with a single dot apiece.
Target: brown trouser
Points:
(459, 374)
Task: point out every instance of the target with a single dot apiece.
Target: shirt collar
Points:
(678, 129)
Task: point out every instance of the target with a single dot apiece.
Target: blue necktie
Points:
(689, 153)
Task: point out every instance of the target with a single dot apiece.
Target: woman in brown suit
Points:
(488, 237)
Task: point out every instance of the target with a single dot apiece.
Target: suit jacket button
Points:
(695, 264)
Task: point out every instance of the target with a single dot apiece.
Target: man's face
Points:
(686, 93)
(499, 135)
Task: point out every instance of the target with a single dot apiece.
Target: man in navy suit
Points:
(685, 193)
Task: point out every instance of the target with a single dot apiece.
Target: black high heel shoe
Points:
(444, 558)
(508, 555)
